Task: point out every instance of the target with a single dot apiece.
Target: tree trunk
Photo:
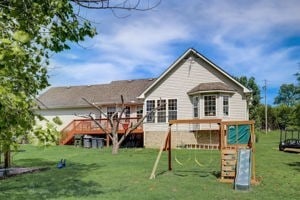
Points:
(115, 149)
(7, 159)
(115, 144)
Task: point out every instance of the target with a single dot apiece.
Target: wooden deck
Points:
(89, 127)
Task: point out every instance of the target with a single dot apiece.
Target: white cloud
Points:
(87, 73)
(244, 38)
(142, 41)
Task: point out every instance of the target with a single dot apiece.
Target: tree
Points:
(298, 86)
(114, 122)
(140, 5)
(251, 85)
(30, 31)
(46, 135)
(287, 95)
(296, 116)
(283, 116)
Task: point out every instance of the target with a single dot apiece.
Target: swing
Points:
(210, 142)
(180, 146)
(195, 156)
(197, 162)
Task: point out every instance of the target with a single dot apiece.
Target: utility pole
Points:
(266, 107)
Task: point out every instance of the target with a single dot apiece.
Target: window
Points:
(139, 112)
(172, 107)
(111, 111)
(161, 112)
(196, 106)
(210, 105)
(127, 112)
(225, 105)
(150, 105)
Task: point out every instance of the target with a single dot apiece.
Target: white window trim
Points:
(146, 111)
(223, 106)
(156, 112)
(167, 108)
(216, 106)
(198, 106)
(137, 109)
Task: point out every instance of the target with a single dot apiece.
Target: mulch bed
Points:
(14, 171)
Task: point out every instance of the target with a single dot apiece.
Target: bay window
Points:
(210, 105)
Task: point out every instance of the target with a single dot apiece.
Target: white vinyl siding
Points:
(183, 78)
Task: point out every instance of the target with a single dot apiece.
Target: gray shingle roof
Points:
(104, 94)
(213, 86)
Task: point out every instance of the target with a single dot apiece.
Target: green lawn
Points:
(96, 174)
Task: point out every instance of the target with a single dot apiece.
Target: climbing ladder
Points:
(228, 165)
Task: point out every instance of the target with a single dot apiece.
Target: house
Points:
(193, 87)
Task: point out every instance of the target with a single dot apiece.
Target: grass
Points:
(96, 174)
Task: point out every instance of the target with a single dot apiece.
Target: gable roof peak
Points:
(186, 55)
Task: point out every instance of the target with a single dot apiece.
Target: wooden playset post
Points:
(169, 149)
(253, 139)
(228, 151)
(225, 148)
(164, 146)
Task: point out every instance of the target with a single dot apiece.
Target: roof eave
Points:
(211, 91)
(62, 107)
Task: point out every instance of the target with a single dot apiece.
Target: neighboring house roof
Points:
(104, 94)
(211, 87)
(188, 53)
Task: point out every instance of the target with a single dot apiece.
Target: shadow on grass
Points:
(199, 173)
(51, 184)
(295, 165)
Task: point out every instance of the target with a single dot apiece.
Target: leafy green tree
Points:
(298, 77)
(298, 87)
(46, 135)
(296, 116)
(254, 106)
(288, 111)
(29, 32)
(283, 116)
(260, 121)
(287, 95)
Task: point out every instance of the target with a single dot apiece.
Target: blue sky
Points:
(245, 38)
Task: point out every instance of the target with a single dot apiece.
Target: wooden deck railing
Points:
(88, 126)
